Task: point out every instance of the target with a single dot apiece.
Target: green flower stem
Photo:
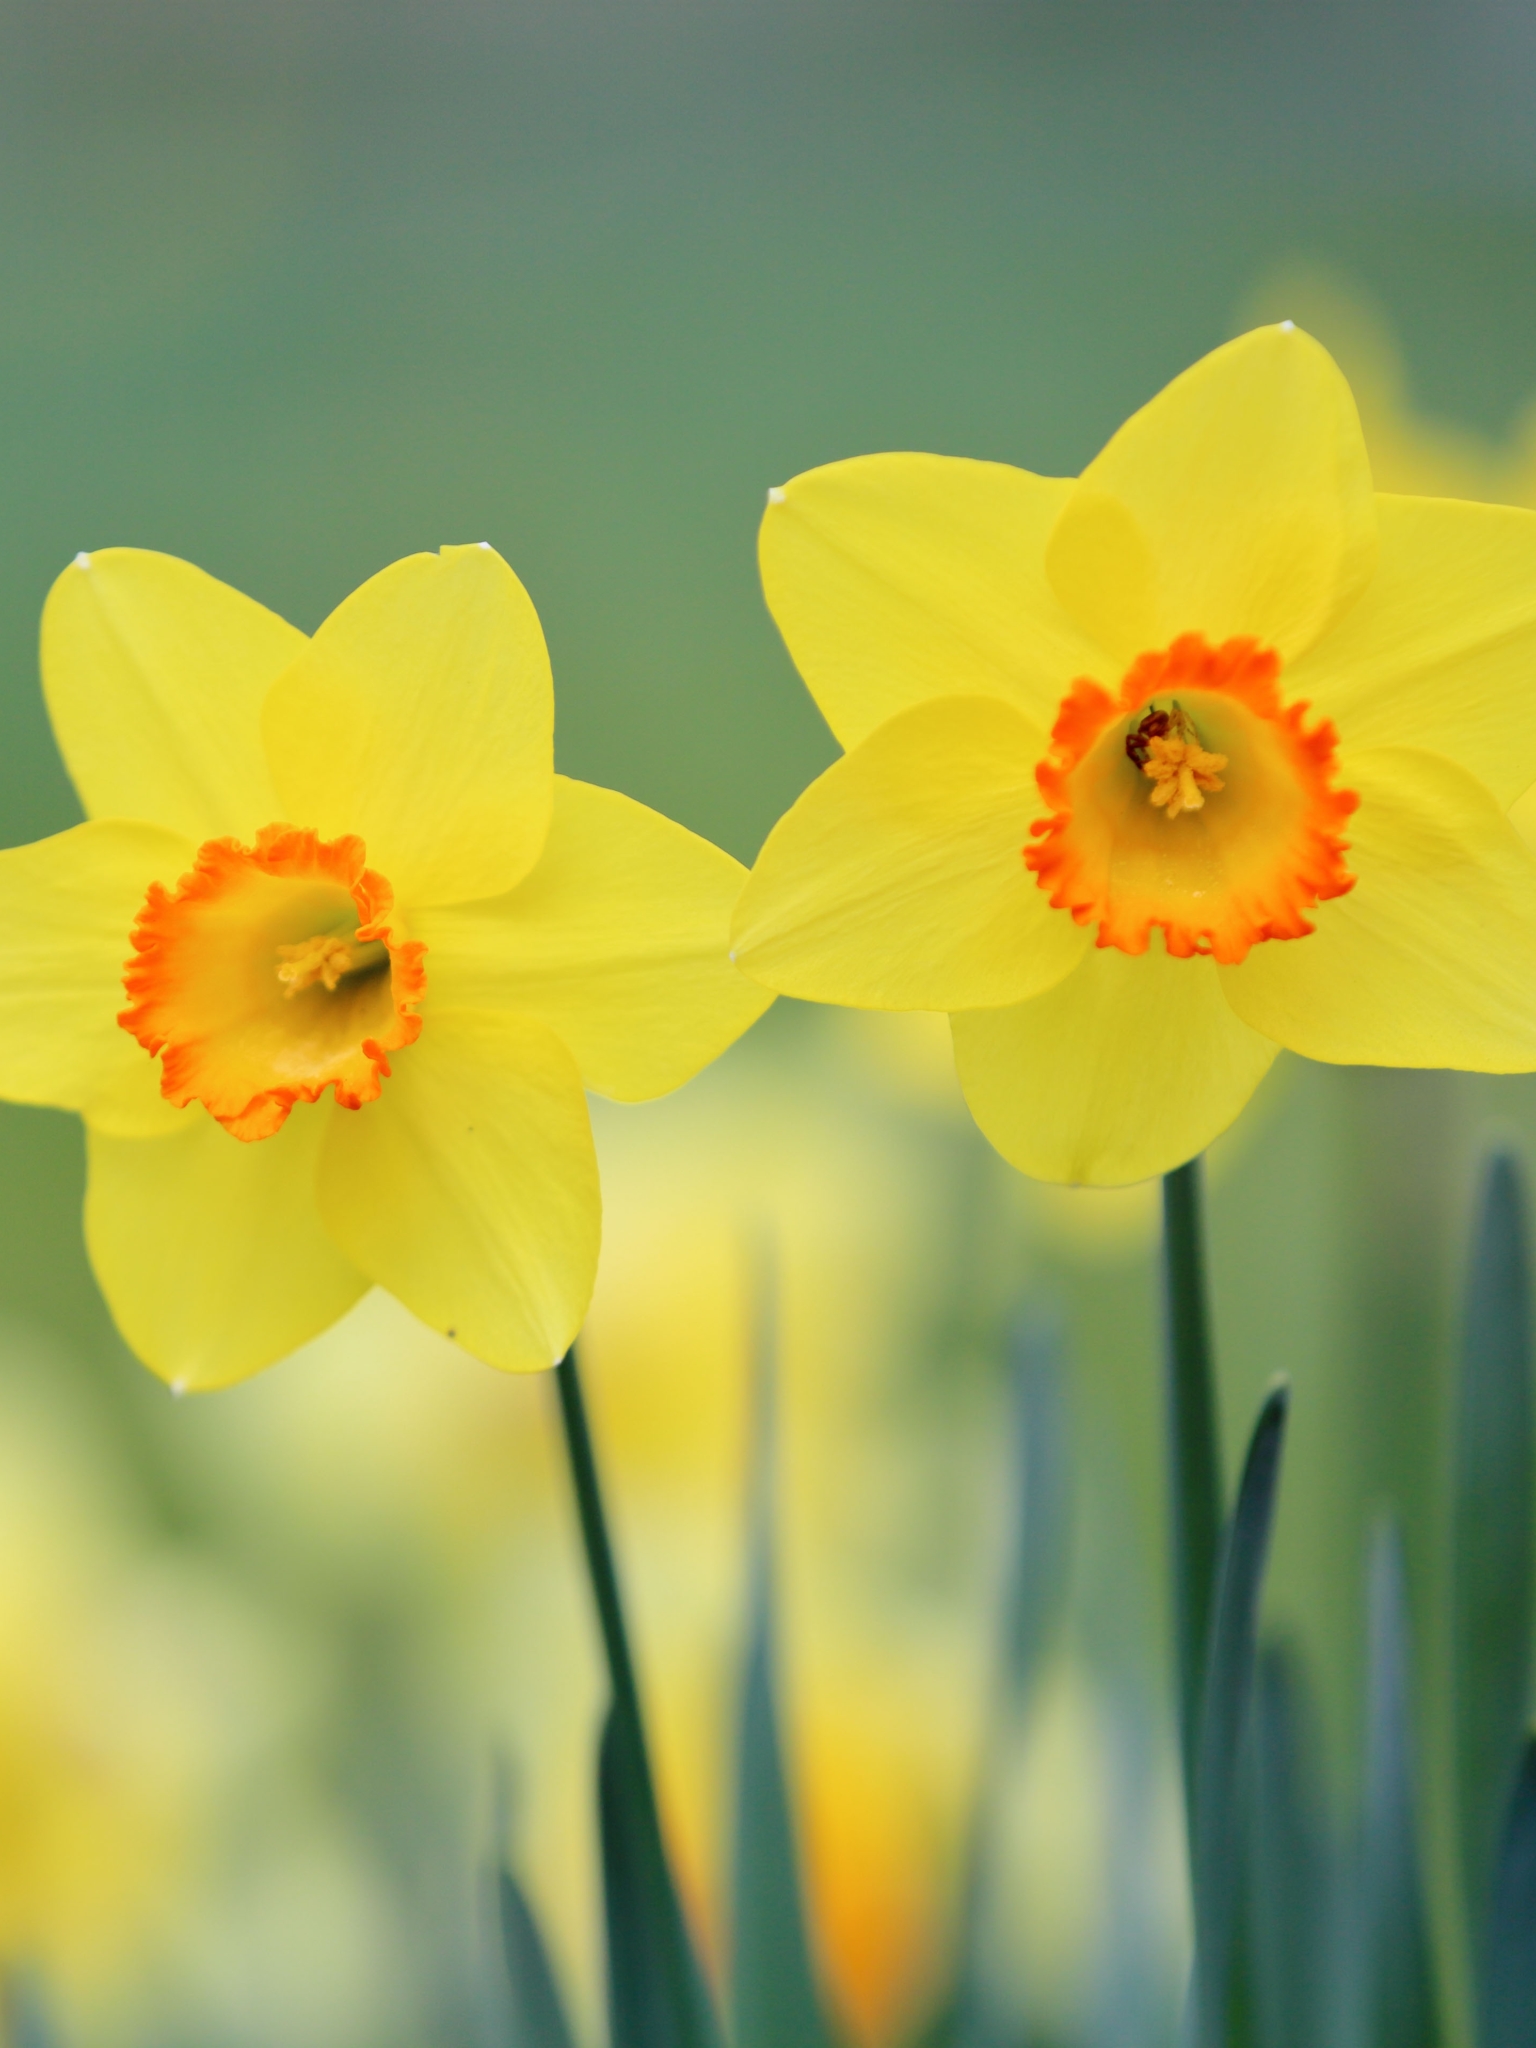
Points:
(628, 1721)
(1194, 1464)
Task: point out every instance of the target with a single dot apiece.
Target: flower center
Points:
(328, 960)
(270, 974)
(1166, 746)
(1193, 720)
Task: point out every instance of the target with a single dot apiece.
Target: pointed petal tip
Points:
(776, 494)
(82, 560)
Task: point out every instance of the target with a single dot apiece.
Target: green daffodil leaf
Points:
(1492, 1506)
(536, 2016)
(656, 1995)
(1397, 1990)
(1229, 1685)
(1509, 1984)
(775, 2002)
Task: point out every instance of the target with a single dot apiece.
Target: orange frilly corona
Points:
(269, 975)
(1152, 772)
(335, 957)
(1246, 870)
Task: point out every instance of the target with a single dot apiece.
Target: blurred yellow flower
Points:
(114, 1713)
(445, 908)
(95, 1824)
(1151, 773)
(1411, 450)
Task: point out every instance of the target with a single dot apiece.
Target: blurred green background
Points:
(293, 287)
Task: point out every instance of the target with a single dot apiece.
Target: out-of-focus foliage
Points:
(1311, 1916)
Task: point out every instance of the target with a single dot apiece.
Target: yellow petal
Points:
(618, 940)
(895, 578)
(211, 1253)
(67, 906)
(1430, 960)
(1128, 1068)
(1440, 651)
(469, 1189)
(155, 675)
(422, 718)
(897, 882)
(1101, 566)
(132, 1106)
(1237, 502)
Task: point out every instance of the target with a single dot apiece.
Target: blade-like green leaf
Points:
(647, 2006)
(1194, 1462)
(1041, 1545)
(1509, 1981)
(774, 1998)
(1397, 1995)
(1034, 1593)
(657, 1997)
(1491, 1558)
(773, 1986)
(1292, 1878)
(535, 2015)
(1229, 1678)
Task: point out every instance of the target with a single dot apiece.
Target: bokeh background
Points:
(293, 287)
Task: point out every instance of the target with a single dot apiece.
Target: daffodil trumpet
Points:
(1152, 772)
(333, 960)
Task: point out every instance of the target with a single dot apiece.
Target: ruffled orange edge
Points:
(157, 935)
(1307, 869)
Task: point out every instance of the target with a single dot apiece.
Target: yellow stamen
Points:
(324, 959)
(1182, 771)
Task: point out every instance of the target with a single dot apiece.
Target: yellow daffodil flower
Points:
(1155, 771)
(328, 967)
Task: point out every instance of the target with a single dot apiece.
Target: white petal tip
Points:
(1287, 326)
(484, 544)
(178, 1388)
(82, 560)
(775, 494)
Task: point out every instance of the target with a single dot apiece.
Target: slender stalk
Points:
(1194, 1467)
(601, 1569)
(629, 1723)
